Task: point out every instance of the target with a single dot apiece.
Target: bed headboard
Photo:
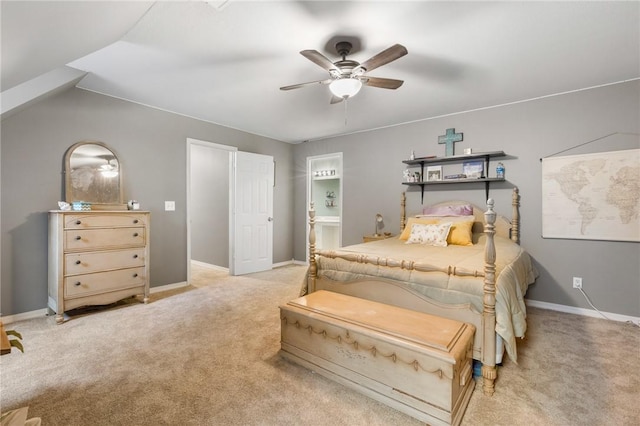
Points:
(504, 227)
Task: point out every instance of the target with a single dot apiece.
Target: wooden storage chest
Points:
(417, 363)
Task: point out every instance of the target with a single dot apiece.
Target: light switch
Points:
(169, 206)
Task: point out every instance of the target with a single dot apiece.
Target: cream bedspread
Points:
(514, 273)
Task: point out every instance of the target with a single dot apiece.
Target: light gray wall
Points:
(527, 132)
(151, 145)
(209, 205)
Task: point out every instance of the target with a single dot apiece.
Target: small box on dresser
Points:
(97, 258)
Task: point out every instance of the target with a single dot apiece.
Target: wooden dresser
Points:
(97, 258)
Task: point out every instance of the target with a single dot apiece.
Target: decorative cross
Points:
(448, 140)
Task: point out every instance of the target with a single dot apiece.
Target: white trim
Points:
(223, 269)
(340, 170)
(285, 263)
(581, 311)
(25, 316)
(25, 94)
(209, 266)
(212, 145)
(168, 287)
(193, 117)
(45, 312)
(435, 117)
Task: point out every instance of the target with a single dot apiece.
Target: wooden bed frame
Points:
(394, 293)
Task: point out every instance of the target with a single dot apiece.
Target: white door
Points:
(251, 213)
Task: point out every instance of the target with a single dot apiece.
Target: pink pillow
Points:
(448, 210)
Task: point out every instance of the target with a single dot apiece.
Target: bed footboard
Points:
(396, 294)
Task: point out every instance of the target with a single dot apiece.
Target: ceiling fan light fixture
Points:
(108, 170)
(345, 87)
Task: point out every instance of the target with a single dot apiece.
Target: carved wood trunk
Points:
(417, 363)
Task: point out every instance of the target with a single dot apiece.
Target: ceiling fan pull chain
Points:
(345, 111)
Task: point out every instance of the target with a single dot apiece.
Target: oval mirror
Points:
(93, 174)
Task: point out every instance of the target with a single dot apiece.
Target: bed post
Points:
(515, 216)
(489, 372)
(403, 211)
(313, 268)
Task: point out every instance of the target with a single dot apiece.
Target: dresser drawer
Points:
(87, 239)
(101, 282)
(85, 263)
(84, 221)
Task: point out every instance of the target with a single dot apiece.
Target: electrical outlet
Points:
(169, 206)
(577, 282)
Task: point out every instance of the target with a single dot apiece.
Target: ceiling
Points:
(224, 61)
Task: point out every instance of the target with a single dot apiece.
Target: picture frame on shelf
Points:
(434, 173)
(473, 169)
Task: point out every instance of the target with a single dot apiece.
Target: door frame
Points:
(231, 150)
(340, 171)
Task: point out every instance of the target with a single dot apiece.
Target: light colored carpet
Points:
(208, 355)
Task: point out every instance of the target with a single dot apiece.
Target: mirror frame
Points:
(118, 204)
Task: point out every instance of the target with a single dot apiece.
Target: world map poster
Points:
(592, 196)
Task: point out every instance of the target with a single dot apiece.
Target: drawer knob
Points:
(135, 256)
(135, 275)
(135, 221)
(78, 238)
(78, 284)
(78, 262)
(135, 235)
(78, 222)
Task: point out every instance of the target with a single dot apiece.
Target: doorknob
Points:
(270, 219)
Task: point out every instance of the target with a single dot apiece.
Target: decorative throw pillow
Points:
(431, 235)
(461, 234)
(448, 210)
(415, 220)
(461, 230)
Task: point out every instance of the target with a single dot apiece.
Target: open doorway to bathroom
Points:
(324, 189)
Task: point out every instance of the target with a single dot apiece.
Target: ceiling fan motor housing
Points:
(343, 48)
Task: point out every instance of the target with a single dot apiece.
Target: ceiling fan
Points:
(346, 76)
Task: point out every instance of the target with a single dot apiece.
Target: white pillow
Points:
(430, 235)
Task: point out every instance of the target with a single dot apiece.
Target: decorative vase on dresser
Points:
(97, 258)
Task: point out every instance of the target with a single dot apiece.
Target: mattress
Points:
(452, 281)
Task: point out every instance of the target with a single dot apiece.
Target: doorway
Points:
(229, 209)
(208, 194)
(324, 189)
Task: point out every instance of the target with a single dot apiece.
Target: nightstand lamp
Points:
(378, 223)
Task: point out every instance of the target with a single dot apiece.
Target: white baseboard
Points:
(223, 269)
(210, 266)
(288, 262)
(581, 311)
(38, 313)
(533, 303)
(167, 287)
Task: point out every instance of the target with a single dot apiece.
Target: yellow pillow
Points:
(460, 233)
(412, 220)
